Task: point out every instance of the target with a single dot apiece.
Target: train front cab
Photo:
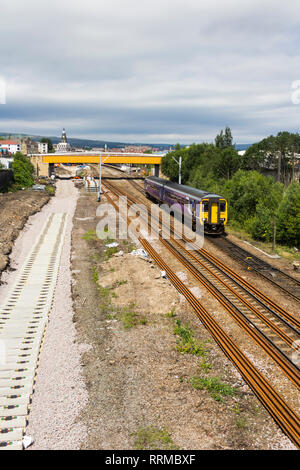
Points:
(213, 213)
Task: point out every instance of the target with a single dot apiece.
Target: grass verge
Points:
(217, 389)
(153, 438)
(187, 344)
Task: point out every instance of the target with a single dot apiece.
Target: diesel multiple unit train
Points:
(210, 209)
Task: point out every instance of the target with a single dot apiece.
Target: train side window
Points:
(222, 206)
(205, 206)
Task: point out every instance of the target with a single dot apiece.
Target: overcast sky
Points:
(150, 70)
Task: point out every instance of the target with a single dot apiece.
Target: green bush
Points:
(288, 230)
(261, 226)
(50, 190)
(255, 202)
(23, 171)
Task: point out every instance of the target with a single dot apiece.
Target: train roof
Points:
(197, 193)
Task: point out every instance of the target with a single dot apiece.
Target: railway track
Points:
(23, 320)
(130, 179)
(274, 329)
(275, 276)
(258, 320)
(280, 279)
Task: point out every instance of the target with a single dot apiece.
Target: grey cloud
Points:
(162, 69)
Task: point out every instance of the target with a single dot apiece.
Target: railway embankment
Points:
(15, 209)
(58, 389)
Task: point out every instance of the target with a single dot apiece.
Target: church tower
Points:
(64, 136)
(63, 146)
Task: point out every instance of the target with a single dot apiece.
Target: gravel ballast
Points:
(60, 392)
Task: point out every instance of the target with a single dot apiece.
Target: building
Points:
(4, 152)
(29, 146)
(63, 146)
(6, 162)
(43, 147)
(10, 146)
(137, 148)
(97, 149)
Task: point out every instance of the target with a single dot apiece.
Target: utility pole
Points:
(100, 170)
(178, 163)
(274, 234)
(99, 190)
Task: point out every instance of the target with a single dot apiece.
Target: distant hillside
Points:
(89, 143)
(242, 146)
(86, 143)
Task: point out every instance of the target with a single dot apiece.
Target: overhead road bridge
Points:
(44, 162)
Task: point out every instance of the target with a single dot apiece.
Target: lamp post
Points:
(178, 163)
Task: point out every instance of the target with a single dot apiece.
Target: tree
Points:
(193, 157)
(219, 140)
(245, 191)
(23, 171)
(228, 138)
(201, 162)
(263, 226)
(225, 140)
(289, 216)
(227, 163)
(170, 166)
(274, 153)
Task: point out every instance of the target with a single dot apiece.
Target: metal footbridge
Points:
(106, 157)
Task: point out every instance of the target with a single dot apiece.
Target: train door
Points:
(161, 193)
(192, 207)
(214, 212)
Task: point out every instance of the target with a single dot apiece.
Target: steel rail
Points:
(260, 338)
(262, 268)
(287, 339)
(290, 318)
(282, 413)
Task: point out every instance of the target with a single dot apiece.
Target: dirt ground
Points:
(62, 172)
(15, 208)
(145, 389)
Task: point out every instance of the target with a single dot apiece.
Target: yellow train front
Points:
(207, 208)
(213, 214)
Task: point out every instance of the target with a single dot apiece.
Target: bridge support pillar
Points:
(51, 169)
(156, 170)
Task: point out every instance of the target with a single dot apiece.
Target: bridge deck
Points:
(146, 159)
